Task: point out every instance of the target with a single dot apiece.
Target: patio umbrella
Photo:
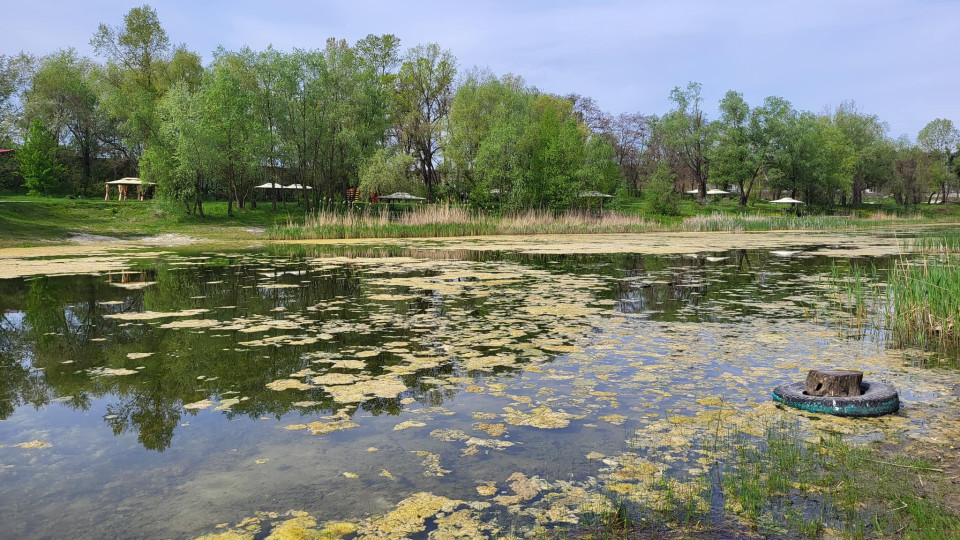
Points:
(717, 192)
(787, 200)
(401, 196)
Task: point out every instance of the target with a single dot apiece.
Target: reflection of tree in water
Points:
(62, 315)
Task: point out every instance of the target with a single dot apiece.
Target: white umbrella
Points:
(401, 196)
(787, 200)
(693, 191)
(296, 186)
(268, 185)
(717, 192)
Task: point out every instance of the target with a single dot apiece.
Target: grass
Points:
(32, 220)
(450, 220)
(918, 302)
(926, 293)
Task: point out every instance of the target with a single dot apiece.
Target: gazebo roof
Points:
(129, 181)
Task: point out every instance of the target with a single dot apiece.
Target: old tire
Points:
(877, 399)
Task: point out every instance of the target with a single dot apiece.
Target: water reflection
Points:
(56, 332)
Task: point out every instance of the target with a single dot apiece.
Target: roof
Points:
(717, 192)
(129, 181)
(296, 186)
(401, 196)
(787, 200)
(268, 185)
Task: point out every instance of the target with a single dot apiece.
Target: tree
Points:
(234, 137)
(15, 74)
(910, 167)
(736, 156)
(385, 172)
(686, 131)
(422, 101)
(811, 158)
(63, 96)
(137, 55)
(38, 162)
(630, 133)
(659, 192)
(871, 156)
(940, 139)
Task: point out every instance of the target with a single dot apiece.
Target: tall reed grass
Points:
(445, 220)
(926, 301)
(717, 222)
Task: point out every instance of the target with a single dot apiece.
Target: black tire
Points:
(877, 399)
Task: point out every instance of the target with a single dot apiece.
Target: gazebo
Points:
(124, 184)
(401, 196)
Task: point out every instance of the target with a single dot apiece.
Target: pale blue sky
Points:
(898, 59)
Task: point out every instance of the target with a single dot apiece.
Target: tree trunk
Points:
(834, 383)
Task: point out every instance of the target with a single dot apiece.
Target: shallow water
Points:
(164, 393)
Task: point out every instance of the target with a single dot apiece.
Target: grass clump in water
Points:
(926, 293)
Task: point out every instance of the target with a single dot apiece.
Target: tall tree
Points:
(871, 156)
(15, 75)
(736, 157)
(63, 96)
(685, 129)
(940, 138)
(137, 53)
(424, 93)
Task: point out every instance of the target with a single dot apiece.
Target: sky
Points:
(898, 59)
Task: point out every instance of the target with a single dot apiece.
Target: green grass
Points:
(32, 220)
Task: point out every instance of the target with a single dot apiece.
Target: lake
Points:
(441, 388)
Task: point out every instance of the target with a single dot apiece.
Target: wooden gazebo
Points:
(124, 184)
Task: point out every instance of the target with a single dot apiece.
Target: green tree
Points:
(424, 93)
(15, 74)
(386, 172)
(137, 56)
(871, 159)
(659, 192)
(810, 157)
(736, 156)
(37, 159)
(940, 139)
(686, 131)
(234, 138)
(63, 96)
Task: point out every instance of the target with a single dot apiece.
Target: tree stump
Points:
(833, 383)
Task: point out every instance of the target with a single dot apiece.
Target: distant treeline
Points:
(380, 119)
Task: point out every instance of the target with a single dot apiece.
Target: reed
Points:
(445, 220)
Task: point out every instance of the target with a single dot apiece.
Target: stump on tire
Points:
(834, 383)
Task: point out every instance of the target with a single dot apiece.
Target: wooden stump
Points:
(833, 383)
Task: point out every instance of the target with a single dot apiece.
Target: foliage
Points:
(424, 93)
(659, 192)
(385, 173)
(37, 159)
(687, 133)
